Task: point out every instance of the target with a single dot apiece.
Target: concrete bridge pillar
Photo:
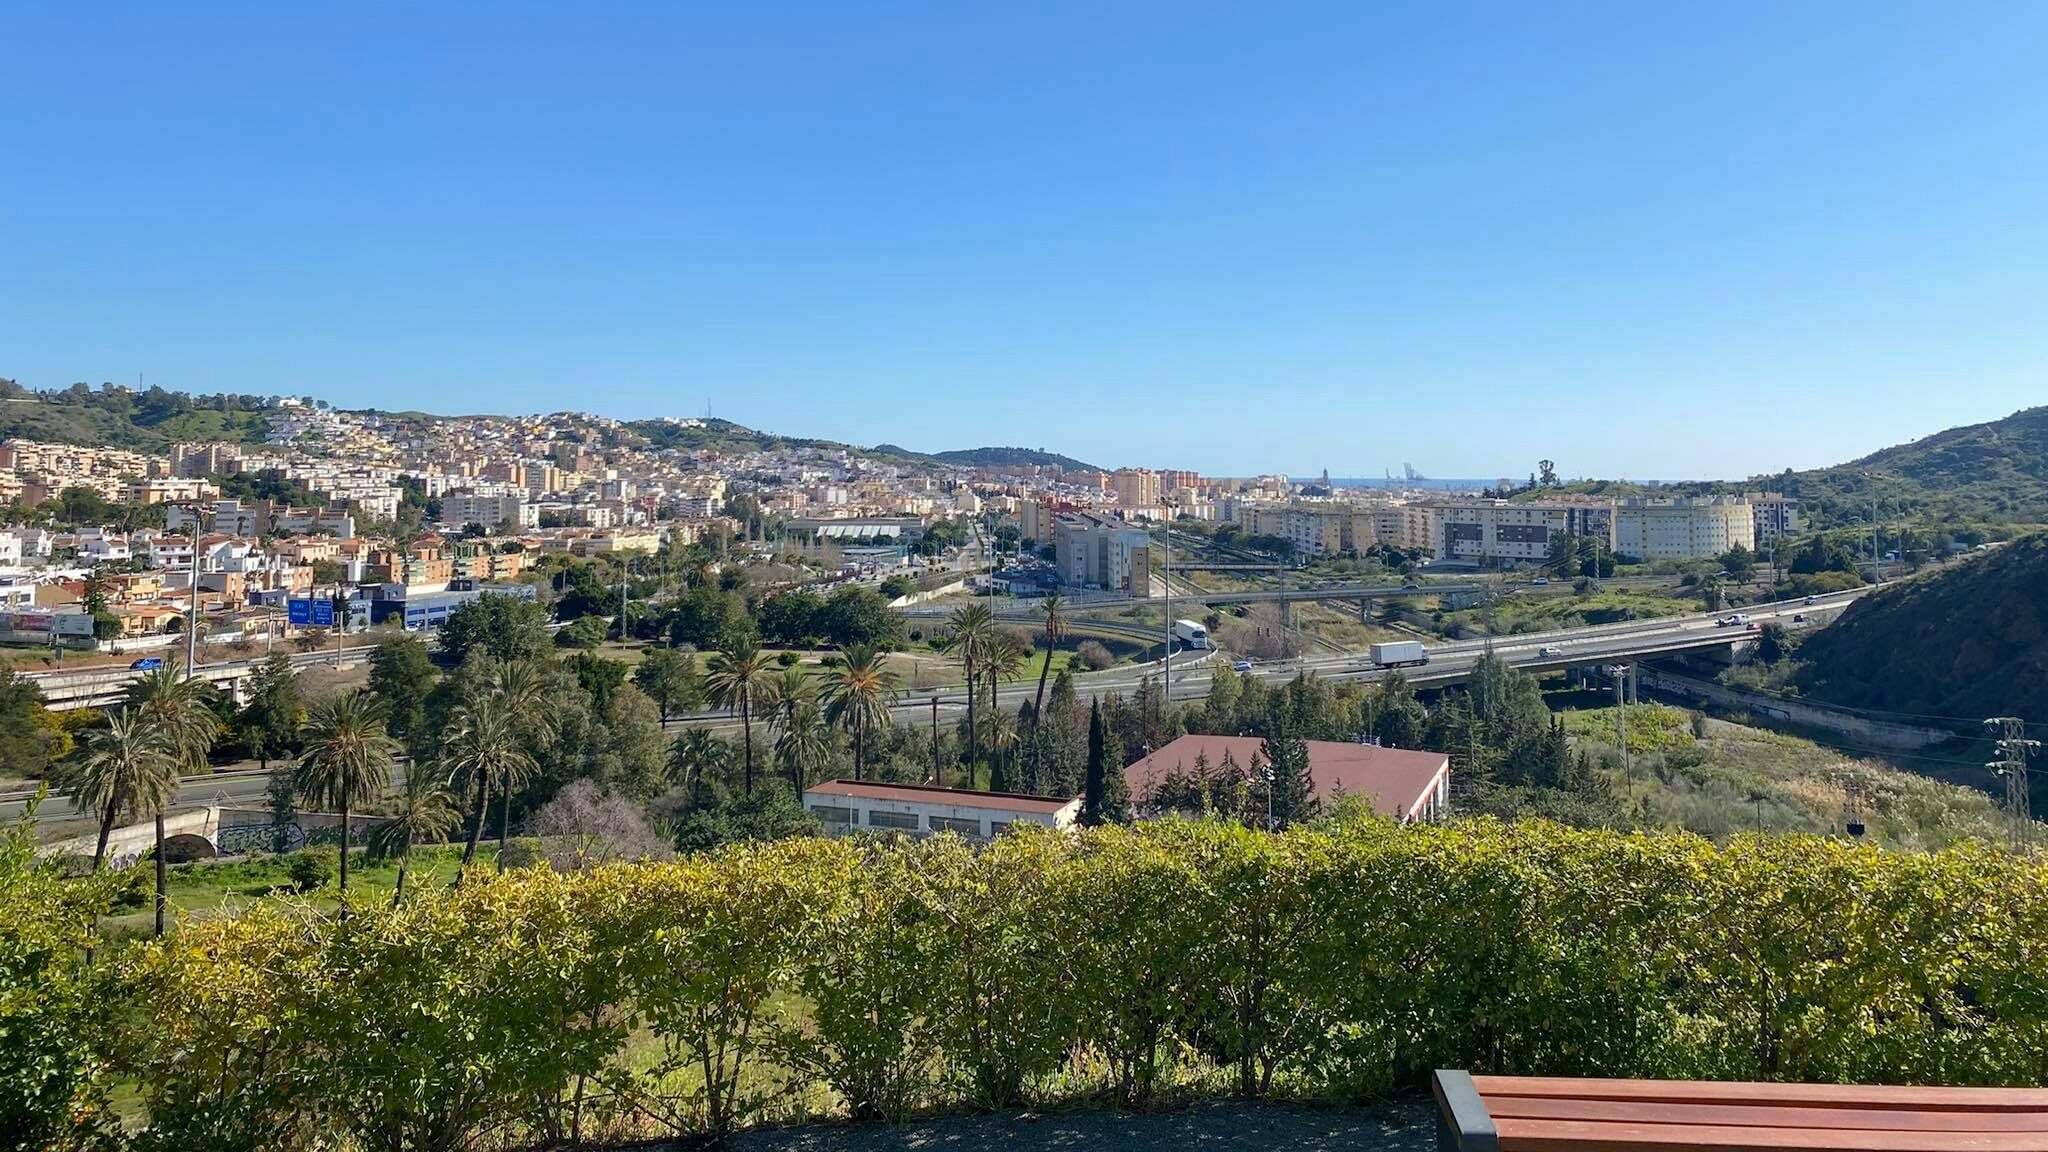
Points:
(1286, 617)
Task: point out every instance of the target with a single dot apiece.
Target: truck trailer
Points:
(1399, 653)
(1191, 634)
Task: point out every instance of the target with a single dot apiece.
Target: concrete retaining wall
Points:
(1882, 733)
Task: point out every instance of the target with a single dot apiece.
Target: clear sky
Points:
(1644, 240)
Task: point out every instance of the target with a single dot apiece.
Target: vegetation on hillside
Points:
(1010, 457)
(115, 417)
(1963, 643)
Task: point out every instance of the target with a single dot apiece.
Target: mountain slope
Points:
(148, 422)
(1995, 472)
(1967, 642)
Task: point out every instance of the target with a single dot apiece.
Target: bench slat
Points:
(1911, 1098)
(1594, 1136)
(1762, 1115)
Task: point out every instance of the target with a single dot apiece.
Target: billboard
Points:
(45, 621)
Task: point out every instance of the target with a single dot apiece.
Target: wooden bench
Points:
(1558, 1114)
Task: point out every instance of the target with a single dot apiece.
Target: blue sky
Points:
(1640, 240)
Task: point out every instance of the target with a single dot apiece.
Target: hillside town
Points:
(402, 517)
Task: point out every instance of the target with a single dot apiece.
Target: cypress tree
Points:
(1107, 796)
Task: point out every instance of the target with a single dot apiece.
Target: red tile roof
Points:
(1396, 780)
(932, 794)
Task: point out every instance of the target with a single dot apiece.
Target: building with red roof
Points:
(1405, 784)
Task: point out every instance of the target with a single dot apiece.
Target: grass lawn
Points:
(210, 888)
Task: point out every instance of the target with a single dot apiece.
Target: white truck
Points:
(1399, 653)
(1190, 633)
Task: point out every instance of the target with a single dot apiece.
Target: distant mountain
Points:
(1969, 641)
(1010, 458)
(1996, 472)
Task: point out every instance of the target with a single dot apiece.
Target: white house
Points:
(922, 809)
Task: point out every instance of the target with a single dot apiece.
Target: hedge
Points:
(874, 979)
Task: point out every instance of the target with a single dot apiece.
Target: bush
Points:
(1343, 961)
(313, 868)
(585, 632)
(788, 659)
(1094, 655)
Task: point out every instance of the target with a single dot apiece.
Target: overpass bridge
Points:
(104, 685)
(217, 830)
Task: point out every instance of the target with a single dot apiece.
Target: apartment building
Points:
(1096, 551)
(489, 511)
(1508, 532)
(1776, 517)
(1135, 487)
(1409, 527)
(1682, 529)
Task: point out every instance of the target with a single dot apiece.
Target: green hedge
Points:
(870, 979)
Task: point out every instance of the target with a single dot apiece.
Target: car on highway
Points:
(1735, 621)
(1540, 581)
(147, 664)
(1799, 617)
(1549, 650)
(1241, 666)
(1811, 600)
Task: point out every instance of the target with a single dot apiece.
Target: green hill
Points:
(723, 436)
(1010, 458)
(1993, 473)
(149, 421)
(1967, 642)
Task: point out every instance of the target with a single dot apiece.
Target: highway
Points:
(1449, 662)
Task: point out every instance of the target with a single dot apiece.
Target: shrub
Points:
(1343, 960)
(1094, 655)
(54, 1020)
(788, 659)
(313, 868)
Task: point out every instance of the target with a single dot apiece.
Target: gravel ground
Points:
(1220, 1126)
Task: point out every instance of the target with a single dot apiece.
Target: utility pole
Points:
(1621, 719)
(936, 778)
(2013, 748)
(1166, 574)
(192, 621)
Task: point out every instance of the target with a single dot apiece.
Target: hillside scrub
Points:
(1965, 642)
(879, 978)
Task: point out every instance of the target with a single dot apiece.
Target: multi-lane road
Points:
(1449, 663)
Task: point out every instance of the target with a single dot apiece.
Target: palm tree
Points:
(1055, 610)
(785, 692)
(109, 774)
(1002, 737)
(348, 761)
(973, 626)
(695, 757)
(1005, 658)
(426, 811)
(734, 677)
(487, 747)
(804, 744)
(857, 697)
(127, 769)
(175, 707)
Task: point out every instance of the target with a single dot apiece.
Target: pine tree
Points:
(1286, 758)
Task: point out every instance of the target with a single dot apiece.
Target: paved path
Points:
(1216, 1126)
